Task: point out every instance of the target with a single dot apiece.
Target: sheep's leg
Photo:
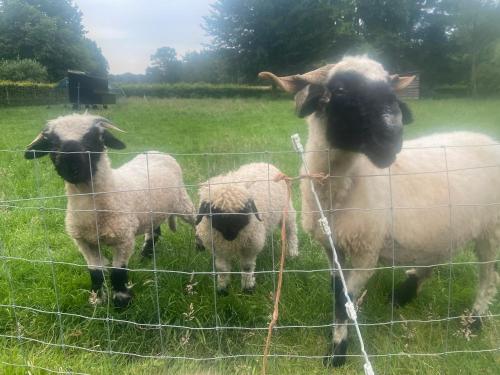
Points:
(291, 232)
(355, 281)
(187, 210)
(95, 262)
(172, 223)
(150, 240)
(488, 278)
(409, 289)
(122, 295)
(199, 243)
(247, 264)
(338, 347)
(222, 265)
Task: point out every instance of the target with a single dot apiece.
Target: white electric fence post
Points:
(323, 222)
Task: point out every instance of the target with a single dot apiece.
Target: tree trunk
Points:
(474, 54)
(473, 74)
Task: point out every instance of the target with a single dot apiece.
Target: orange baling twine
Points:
(288, 180)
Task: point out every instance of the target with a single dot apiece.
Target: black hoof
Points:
(406, 291)
(222, 292)
(338, 358)
(146, 253)
(122, 300)
(249, 290)
(476, 325)
(149, 243)
(147, 249)
(199, 244)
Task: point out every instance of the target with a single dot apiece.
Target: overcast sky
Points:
(130, 31)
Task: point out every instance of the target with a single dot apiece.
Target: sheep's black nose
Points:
(72, 163)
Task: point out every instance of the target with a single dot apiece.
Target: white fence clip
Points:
(351, 311)
(325, 227)
(368, 369)
(297, 145)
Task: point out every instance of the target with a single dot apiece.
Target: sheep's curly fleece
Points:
(125, 198)
(423, 196)
(230, 192)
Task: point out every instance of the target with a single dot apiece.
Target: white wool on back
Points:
(130, 199)
(231, 191)
(422, 191)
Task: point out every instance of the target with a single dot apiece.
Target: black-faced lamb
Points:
(109, 206)
(435, 197)
(237, 212)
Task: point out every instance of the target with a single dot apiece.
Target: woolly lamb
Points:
(244, 206)
(111, 206)
(419, 214)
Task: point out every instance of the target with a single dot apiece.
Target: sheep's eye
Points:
(338, 90)
(52, 140)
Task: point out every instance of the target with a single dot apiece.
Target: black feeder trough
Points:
(88, 90)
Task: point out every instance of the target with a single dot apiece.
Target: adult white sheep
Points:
(419, 214)
(109, 206)
(237, 212)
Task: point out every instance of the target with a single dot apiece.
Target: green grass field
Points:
(44, 276)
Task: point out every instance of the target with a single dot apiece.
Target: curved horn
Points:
(106, 124)
(38, 138)
(38, 147)
(253, 209)
(202, 211)
(297, 82)
(400, 83)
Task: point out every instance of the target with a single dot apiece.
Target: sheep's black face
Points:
(229, 224)
(75, 158)
(365, 116)
(76, 162)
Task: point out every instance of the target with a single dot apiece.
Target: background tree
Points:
(446, 41)
(388, 27)
(50, 32)
(476, 30)
(488, 71)
(432, 51)
(279, 35)
(22, 70)
(165, 67)
(204, 66)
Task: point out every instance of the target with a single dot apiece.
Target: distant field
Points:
(205, 134)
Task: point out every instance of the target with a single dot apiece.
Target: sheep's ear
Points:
(37, 147)
(111, 141)
(250, 206)
(203, 210)
(400, 83)
(406, 113)
(308, 99)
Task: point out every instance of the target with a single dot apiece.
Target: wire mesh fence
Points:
(177, 313)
